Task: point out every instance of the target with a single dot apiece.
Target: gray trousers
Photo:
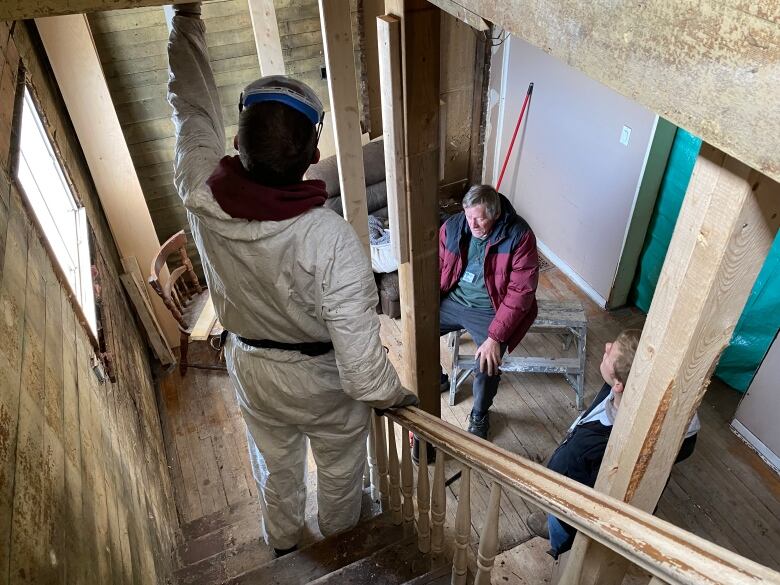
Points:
(453, 317)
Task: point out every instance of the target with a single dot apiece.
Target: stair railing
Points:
(670, 554)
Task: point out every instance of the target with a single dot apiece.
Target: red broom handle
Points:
(517, 127)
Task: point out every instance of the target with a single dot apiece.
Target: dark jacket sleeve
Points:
(521, 290)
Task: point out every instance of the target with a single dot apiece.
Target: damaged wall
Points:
(85, 495)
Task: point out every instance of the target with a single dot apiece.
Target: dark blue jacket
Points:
(579, 455)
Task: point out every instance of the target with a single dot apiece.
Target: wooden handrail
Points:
(669, 553)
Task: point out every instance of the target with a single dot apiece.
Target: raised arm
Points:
(197, 113)
(348, 308)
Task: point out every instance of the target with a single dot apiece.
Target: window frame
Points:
(24, 85)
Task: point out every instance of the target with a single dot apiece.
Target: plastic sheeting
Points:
(682, 157)
(759, 322)
(756, 328)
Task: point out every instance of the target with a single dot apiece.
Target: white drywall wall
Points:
(757, 412)
(569, 175)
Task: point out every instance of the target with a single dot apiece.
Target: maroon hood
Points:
(241, 197)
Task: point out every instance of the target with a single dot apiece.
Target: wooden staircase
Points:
(226, 548)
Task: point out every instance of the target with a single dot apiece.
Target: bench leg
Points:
(582, 339)
(454, 354)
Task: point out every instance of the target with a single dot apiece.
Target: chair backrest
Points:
(175, 292)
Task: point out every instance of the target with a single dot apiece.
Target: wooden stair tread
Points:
(219, 520)
(225, 565)
(233, 536)
(439, 576)
(325, 556)
(395, 564)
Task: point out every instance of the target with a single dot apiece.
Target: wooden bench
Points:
(567, 317)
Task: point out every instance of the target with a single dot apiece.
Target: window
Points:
(61, 217)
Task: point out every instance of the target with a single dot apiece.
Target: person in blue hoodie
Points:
(579, 455)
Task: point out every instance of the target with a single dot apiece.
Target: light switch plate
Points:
(625, 135)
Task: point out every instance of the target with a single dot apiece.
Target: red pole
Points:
(517, 127)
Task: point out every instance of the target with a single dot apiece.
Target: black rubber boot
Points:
(280, 552)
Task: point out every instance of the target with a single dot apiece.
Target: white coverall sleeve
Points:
(349, 299)
(197, 115)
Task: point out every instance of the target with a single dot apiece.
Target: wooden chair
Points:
(185, 298)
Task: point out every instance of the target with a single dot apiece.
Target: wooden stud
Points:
(389, 40)
(423, 501)
(727, 224)
(394, 471)
(488, 542)
(462, 529)
(438, 505)
(418, 278)
(266, 32)
(342, 89)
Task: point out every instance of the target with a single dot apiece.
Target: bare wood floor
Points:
(724, 492)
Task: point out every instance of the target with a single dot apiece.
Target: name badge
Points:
(468, 277)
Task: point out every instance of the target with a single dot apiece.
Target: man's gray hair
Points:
(483, 195)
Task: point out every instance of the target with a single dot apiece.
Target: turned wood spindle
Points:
(488, 543)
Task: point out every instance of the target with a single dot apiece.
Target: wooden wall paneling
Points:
(728, 221)
(28, 554)
(100, 493)
(342, 90)
(419, 282)
(12, 304)
(457, 53)
(73, 515)
(54, 528)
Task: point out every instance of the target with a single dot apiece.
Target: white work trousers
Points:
(285, 398)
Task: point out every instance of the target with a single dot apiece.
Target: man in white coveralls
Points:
(289, 281)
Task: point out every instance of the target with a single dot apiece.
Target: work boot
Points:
(537, 524)
(280, 552)
(444, 382)
(430, 451)
(479, 425)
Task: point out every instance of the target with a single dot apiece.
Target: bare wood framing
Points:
(389, 39)
(342, 89)
(419, 278)
(80, 78)
(266, 30)
(729, 219)
(703, 65)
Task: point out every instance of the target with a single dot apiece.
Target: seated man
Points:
(580, 454)
(489, 272)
